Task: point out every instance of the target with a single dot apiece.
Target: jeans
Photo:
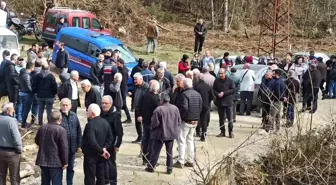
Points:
(147, 145)
(94, 170)
(198, 44)
(18, 110)
(26, 101)
(9, 161)
(150, 42)
(138, 125)
(111, 169)
(223, 113)
(332, 88)
(186, 140)
(157, 146)
(35, 107)
(70, 169)
(290, 114)
(274, 117)
(45, 104)
(53, 175)
(246, 98)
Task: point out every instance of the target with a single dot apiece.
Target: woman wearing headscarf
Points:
(183, 65)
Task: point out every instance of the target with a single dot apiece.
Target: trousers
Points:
(225, 113)
(157, 146)
(186, 141)
(94, 170)
(9, 161)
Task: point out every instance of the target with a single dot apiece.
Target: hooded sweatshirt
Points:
(45, 85)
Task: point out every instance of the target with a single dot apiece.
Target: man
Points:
(265, 94)
(96, 73)
(246, 89)
(97, 138)
(190, 75)
(224, 90)
(53, 152)
(62, 59)
(92, 95)
(277, 97)
(152, 35)
(70, 90)
(208, 59)
(61, 24)
(311, 81)
(226, 61)
(165, 123)
(124, 88)
(190, 109)
(137, 68)
(70, 123)
(12, 79)
(167, 74)
(10, 146)
(236, 80)
(292, 89)
(4, 8)
(26, 94)
(32, 53)
(138, 93)
(322, 67)
(207, 96)
(146, 73)
(208, 78)
(116, 92)
(200, 33)
(35, 108)
(3, 83)
(110, 69)
(45, 87)
(177, 96)
(113, 117)
(164, 82)
(147, 107)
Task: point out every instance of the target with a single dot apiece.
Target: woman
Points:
(116, 93)
(183, 65)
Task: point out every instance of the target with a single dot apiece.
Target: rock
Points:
(26, 170)
(29, 147)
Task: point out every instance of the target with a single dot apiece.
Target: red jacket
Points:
(183, 67)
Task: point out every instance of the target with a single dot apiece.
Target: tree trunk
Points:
(212, 15)
(54, 2)
(225, 16)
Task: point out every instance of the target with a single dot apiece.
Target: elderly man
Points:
(178, 91)
(190, 108)
(138, 93)
(71, 124)
(96, 73)
(311, 83)
(167, 74)
(97, 138)
(10, 146)
(224, 90)
(190, 75)
(164, 82)
(147, 107)
(70, 90)
(45, 87)
(53, 153)
(246, 89)
(152, 35)
(113, 117)
(115, 89)
(92, 95)
(165, 123)
(207, 96)
(265, 94)
(200, 32)
(208, 78)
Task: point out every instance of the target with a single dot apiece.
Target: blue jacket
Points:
(74, 131)
(170, 77)
(60, 26)
(278, 89)
(147, 75)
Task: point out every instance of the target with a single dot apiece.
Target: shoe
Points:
(188, 164)
(178, 165)
(169, 171)
(144, 163)
(248, 114)
(33, 120)
(312, 112)
(221, 134)
(149, 169)
(202, 139)
(197, 135)
(303, 110)
(231, 135)
(240, 114)
(234, 121)
(138, 140)
(127, 121)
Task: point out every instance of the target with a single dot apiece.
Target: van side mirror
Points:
(102, 27)
(92, 52)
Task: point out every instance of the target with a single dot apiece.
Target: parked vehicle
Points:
(233, 59)
(9, 41)
(74, 18)
(22, 27)
(323, 55)
(84, 47)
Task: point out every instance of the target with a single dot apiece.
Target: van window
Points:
(86, 23)
(95, 24)
(93, 50)
(74, 43)
(51, 18)
(75, 22)
(125, 53)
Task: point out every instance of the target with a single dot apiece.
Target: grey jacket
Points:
(116, 92)
(10, 136)
(32, 56)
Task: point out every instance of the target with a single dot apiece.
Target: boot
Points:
(33, 120)
(203, 136)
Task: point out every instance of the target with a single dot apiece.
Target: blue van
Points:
(84, 47)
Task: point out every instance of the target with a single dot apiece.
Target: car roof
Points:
(254, 67)
(5, 31)
(67, 9)
(92, 36)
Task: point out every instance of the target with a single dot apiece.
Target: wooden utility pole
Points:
(212, 15)
(225, 16)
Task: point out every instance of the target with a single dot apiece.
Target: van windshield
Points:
(125, 53)
(8, 42)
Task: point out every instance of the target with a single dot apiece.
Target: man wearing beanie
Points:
(311, 81)
(236, 81)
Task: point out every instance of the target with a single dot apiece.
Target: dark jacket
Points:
(124, 82)
(53, 146)
(170, 77)
(74, 131)
(26, 81)
(62, 59)
(147, 107)
(116, 95)
(136, 69)
(177, 96)
(278, 89)
(236, 80)
(265, 90)
(147, 75)
(164, 85)
(93, 96)
(109, 72)
(59, 26)
(292, 88)
(228, 87)
(206, 93)
(311, 79)
(97, 135)
(165, 122)
(96, 74)
(137, 94)
(11, 76)
(322, 67)
(200, 28)
(113, 117)
(45, 85)
(65, 91)
(191, 105)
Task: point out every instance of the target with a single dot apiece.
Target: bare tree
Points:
(212, 14)
(225, 16)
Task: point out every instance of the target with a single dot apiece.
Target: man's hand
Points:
(221, 94)
(140, 119)
(116, 149)
(65, 166)
(106, 154)
(129, 94)
(285, 99)
(79, 150)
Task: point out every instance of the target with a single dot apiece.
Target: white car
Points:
(9, 41)
(323, 55)
(233, 59)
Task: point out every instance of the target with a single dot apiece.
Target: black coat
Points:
(311, 79)
(191, 105)
(97, 135)
(45, 85)
(170, 77)
(124, 82)
(93, 96)
(26, 81)
(292, 88)
(206, 93)
(96, 74)
(200, 28)
(147, 107)
(67, 92)
(113, 117)
(227, 86)
(165, 85)
(62, 59)
(136, 69)
(177, 96)
(11, 76)
(322, 67)
(74, 131)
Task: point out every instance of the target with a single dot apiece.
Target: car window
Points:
(95, 24)
(85, 23)
(74, 43)
(51, 18)
(8, 42)
(75, 22)
(93, 50)
(125, 53)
